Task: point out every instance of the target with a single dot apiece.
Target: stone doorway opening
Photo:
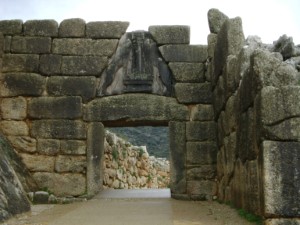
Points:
(136, 158)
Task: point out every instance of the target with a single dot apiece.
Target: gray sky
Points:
(268, 19)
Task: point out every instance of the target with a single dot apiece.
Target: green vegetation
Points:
(250, 217)
(115, 153)
(155, 138)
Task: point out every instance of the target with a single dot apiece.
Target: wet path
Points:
(131, 207)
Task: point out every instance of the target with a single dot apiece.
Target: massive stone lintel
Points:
(136, 67)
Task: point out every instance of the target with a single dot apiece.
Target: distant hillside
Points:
(155, 138)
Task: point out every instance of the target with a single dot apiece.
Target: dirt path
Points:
(138, 207)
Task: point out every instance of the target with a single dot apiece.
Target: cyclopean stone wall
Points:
(255, 99)
(61, 84)
(231, 107)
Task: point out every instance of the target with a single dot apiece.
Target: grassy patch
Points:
(250, 217)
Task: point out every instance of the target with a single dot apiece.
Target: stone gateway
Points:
(231, 106)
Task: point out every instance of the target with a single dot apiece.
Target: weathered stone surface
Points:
(230, 41)
(124, 107)
(201, 189)
(11, 27)
(170, 34)
(231, 79)
(48, 146)
(83, 65)
(55, 107)
(282, 222)
(106, 29)
(73, 164)
(24, 84)
(14, 128)
(184, 53)
(31, 45)
(277, 104)
(285, 46)
(62, 184)
(202, 113)
(2, 41)
(85, 86)
(72, 147)
(230, 154)
(203, 172)
(94, 158)
(40, 163)
(45, 28)
(14, 108)
(20, 63)
(7, 44)
(201, 153)
(270, 71)
(74, 27)
(218, 96)
(79, 46)
(23, 143)
(188, 72)
(50, 64)
(177, 158)
(188, 93)
(201, 131)
(60, 129)
(13, 198)
(215, 20)
(281, 178)
(211, 44)
(136, 67)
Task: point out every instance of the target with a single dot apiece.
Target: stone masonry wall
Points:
(53, 114)
(255, 91)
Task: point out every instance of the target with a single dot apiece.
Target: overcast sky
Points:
(268, 19)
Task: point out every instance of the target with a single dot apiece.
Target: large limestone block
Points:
(72, 164)
(281, 182)
(13, 198)
(202, 112)
(211, 44)
(72, 28)
(72, 147)
(48, 146)
(58, 129)
(14, 128)
(83, 65)
(55, 107)
(190, 93)
(14, 108)
(64, 85)
(31, 45)
(24, 84)
(177, 158)
(203, 172)
(134, 108)
(201, 153)
(38, 163)
(268, 70)
(188, 72)
(80, 46)
(170, 34)
(106, 29)
(277, 104)
(201, 189)
(11, 27)
(184, 53)
(23, 143)
(50, 64)
(65, 184)
(45, 28)
(230, 41)
(20, 63)
(201, 131)
(219, 96)
(215, 20)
